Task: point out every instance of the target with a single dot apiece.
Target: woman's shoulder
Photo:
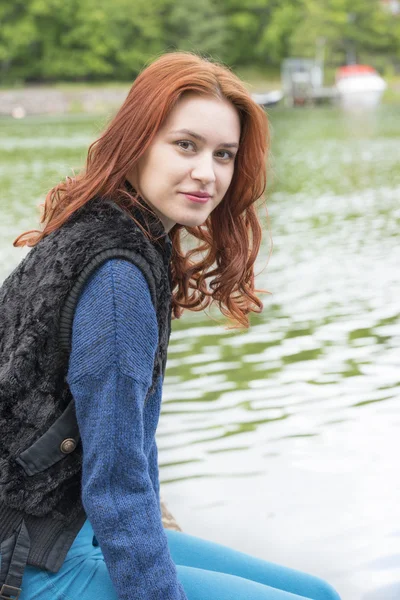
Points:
(114, 319)
(119, 275)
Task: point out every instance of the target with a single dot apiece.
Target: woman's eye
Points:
(228, 155)
(189, 146)
(184, 144)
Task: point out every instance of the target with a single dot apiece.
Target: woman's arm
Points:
(114, 340)
(153, 471)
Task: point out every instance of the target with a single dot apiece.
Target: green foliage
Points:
(350, 29)
(99, 40)
(199, 26)
(274, 42)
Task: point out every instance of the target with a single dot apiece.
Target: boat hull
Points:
(359, 86)
(360, 99)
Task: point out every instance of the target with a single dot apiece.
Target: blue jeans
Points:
(206, 570)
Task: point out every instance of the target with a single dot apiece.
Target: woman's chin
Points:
(193, 221)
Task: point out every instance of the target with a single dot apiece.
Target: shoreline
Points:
(21, 102)
(82, 99)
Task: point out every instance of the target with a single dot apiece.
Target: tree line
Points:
(103, 40)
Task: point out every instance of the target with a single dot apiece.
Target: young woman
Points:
(84, 335)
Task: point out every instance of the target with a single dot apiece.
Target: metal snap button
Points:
(68, 446)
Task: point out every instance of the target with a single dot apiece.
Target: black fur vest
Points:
(40, 451)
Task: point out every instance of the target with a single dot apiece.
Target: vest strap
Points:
(14, 553)
(47, 451)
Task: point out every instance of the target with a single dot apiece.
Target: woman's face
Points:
(187, 169)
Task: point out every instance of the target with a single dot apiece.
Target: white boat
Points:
(359, 86)
(268, 98)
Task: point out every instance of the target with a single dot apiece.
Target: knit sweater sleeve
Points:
(114, 340)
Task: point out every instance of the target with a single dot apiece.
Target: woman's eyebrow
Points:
(197, 136)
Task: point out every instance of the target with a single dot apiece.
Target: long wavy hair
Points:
(219, 268)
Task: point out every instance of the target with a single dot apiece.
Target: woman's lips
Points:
(198, 199)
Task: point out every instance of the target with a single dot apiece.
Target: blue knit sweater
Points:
(114, 341)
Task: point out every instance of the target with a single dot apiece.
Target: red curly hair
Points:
(229, 240)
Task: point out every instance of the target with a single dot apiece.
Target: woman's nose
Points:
(203, 169)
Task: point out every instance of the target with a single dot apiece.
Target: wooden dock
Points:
(324, 94)
(311, 96)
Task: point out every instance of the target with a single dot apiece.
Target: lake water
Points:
(281, 441)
